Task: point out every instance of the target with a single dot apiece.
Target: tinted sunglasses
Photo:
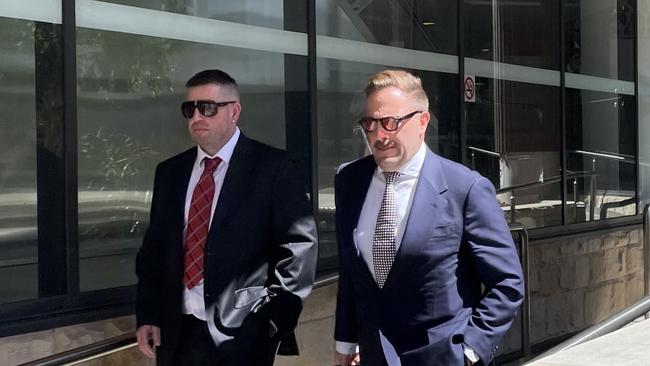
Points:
(207, 108)
(369, 124)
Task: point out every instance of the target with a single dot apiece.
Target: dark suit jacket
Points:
(260, 254)
(455, 239)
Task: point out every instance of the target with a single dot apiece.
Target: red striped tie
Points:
(198, 222)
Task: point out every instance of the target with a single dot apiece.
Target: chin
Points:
(388, 164)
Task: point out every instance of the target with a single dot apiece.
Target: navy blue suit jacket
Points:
(456, 240)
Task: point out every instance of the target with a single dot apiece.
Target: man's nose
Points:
(195, 114)
(381, 133)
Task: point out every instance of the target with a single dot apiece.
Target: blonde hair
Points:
(401, 79)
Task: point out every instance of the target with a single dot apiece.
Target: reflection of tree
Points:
(17, 34)
(117, 160)
(127, 72)
(124, 63)
(17, 106)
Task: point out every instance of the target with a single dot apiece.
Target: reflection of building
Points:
(558, 125)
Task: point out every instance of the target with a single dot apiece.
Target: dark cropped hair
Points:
(215, 76)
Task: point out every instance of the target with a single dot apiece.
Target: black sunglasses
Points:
(388, 123)
(207, 108)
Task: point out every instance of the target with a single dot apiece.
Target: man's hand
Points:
(341, 359)
(146, 333)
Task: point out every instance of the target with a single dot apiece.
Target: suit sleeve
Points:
(346, 319)
(295, 249)
(149, 265)
(497, 264)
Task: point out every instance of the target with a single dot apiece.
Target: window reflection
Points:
(18, 203)
(262, 13)
(599, 38)
(523, 32)
(600, 155)
(130, 90)
(417, 24)
(514, 139)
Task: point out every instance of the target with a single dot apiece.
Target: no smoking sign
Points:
(470, 89)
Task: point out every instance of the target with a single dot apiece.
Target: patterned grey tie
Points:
(383, 243)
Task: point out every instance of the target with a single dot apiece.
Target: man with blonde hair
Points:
(418, 237)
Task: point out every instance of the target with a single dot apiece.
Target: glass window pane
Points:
(600, 155)
(414, 24)
(130, 88)
(599, 38)
(644, 102)
(263, 13)
(514, 139)
(32, 235)
(18, 179)
(524, 32)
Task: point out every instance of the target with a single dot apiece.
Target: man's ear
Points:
(424, 119)
(236, 108)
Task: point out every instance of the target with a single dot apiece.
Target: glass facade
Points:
(551, 121)
(18, 207)
(129, 120)
(600, 118)
(643, 67)
(31, 153)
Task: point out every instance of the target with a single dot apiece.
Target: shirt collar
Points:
(413, 166)
(225, 153)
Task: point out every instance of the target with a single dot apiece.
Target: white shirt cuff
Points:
(347, 348)
(470, 354)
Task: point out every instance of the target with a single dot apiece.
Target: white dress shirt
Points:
(193, 302)
(364, 232)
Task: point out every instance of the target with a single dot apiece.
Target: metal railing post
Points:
(646, 252)
(575, 199)
(524, 245)
(513, 207)
(473, 155)
(592, 197)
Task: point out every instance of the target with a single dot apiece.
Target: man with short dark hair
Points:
(230, 252)
(429, 275)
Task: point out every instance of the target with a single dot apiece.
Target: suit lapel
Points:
(356, 190)
(359, 189)
(185, 172)
(179, 192)
(426, 201)
(235, 184)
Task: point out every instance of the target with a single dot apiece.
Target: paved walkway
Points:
(627, 346)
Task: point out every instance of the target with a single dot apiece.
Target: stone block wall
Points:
(577, 281)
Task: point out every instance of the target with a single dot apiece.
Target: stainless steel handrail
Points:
(87, 352)
(623, 158)
(326, 281)
(524, 252)
(486, 152)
